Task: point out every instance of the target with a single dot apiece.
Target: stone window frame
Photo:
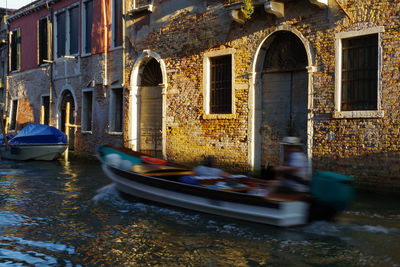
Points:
(206, 84)
(338, 113)
(83, 29)
(112, 109)
(113, 24)
(84, 110)
(13, 115)
(67, 31)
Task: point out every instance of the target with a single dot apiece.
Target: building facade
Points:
(229, 79)
(184, 79)
(68, 53)
(4, 13)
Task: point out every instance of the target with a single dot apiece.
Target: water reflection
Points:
(54, 214)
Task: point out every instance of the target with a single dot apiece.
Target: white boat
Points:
(164, 184)
(35, 142)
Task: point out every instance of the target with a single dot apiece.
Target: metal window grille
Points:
(221, 85)
(360, 73)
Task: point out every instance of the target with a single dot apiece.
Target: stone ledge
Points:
(219, 116)
(356, 114)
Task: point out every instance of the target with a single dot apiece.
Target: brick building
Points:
(204, 79)
(4, 13)
(68, 51)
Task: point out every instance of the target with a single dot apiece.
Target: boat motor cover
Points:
(36, 133)
(332, 188)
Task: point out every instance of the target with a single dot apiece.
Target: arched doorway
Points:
(150, 111)
(284, 93)
(67, 97)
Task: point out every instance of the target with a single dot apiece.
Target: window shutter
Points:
(18, 48)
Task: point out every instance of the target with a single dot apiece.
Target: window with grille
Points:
(42, 40)
(117, 23)
(221, 84)
(15, 53)
(87, 103)
(359, 73)
(116, 110)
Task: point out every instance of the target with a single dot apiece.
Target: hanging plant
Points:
(247, 9)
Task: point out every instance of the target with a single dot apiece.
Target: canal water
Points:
(57, 214)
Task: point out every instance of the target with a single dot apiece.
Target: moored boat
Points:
(35, 142)
(239, 197)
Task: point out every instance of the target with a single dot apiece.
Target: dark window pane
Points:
(43, 44)
(117, 22)
(117, 110)
(13, 122)
(360, 73)
(88, 25)
(61, 34)
(74, 30)
(221, 85)
(15, 50)
(87, 111)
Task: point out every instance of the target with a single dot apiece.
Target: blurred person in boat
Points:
(295, 172)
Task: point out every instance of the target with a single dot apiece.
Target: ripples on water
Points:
(54, 214)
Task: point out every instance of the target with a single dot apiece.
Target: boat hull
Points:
(32, 151)
(242, 206)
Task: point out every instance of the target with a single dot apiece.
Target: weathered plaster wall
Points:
(182, 31)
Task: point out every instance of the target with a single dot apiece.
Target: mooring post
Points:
(67, 113)
(3, 129)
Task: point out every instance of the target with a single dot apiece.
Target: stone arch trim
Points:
(134, 97)
(254, 146)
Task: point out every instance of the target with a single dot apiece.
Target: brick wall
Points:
(364, 147)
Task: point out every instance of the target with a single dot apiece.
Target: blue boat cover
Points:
(36, 133)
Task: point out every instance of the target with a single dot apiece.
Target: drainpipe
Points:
(6, 109)
(50, 56)
(123, 42)
(105, 80)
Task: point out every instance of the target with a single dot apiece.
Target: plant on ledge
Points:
(247, 9)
